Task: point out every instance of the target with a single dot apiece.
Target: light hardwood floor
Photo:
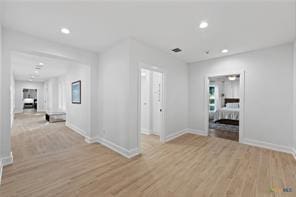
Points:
(52, 160)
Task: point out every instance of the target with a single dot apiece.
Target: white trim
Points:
(4, 161)
(267, 145)
(146, 132)
(90, 140)
(1, 170)
(121, 150)
(197, 132)
(294, 153)
(175, 135)
(242, 100)
(87, 139)
(7, 160)
(76, 129)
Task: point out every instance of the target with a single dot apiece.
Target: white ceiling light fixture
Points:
(203, 24)
(224, 51)
(36, 71)
(65, 30)
(232, 78)
(41, 64)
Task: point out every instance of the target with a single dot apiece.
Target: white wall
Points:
(294, 98)
(2, 144)
(268, 95)
(51, 96)
(119, 82)
(19, 86)
(114, 87)
(12, 97)
(78, 115)
(176, 88)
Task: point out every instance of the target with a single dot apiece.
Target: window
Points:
(212, 102)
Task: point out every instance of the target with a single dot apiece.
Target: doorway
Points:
(29, 100)
(151, 107)
(224, 105)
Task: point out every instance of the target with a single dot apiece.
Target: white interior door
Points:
(145, 101)
(157, 94)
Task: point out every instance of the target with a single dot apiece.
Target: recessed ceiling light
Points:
(41, 64)
(232, 78)
(65, 31)
(32, 77)
(30, 80)
(203, 24)
(36, 71)
(224, 51)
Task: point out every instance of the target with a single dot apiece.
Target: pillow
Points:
(232, 105)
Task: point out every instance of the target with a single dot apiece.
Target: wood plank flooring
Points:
(52, 160)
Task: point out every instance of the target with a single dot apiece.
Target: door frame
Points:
(241, 102)
(152, 68)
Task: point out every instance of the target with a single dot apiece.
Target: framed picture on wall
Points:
(76, 92)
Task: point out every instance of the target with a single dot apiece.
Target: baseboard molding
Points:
(197, 132)
(7, 160)
(146, 132)
(294, 153)
(77, 130)
(267, 145)
(1, 170)
(175, 135)
(90, 140)
(121, 150)
(4, 161)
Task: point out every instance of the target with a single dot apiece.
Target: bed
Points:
(229, 114)
(28, 103)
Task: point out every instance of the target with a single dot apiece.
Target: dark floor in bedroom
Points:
(226, 131)
(224, 134)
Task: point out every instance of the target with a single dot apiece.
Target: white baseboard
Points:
(1, 170)
(121, 150)
(146, 132)
(90, 140)
(4, 161)
(197, 132)
(182, 132)
(77, 130)
(7, 160)
(294, 153)
(87, 139)
(267, 145)
(175, 135)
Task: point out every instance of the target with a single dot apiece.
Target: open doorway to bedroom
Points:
(224, 106)
(30, 100)
(151, 123)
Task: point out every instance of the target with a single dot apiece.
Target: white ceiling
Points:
(23, 66)
(239, 27)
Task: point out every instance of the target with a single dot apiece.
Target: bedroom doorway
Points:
(151, 107)
(224, 105)
(29, 100)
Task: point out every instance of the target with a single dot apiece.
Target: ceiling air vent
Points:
(176, 50)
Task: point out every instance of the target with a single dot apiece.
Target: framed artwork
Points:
(76, 92)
